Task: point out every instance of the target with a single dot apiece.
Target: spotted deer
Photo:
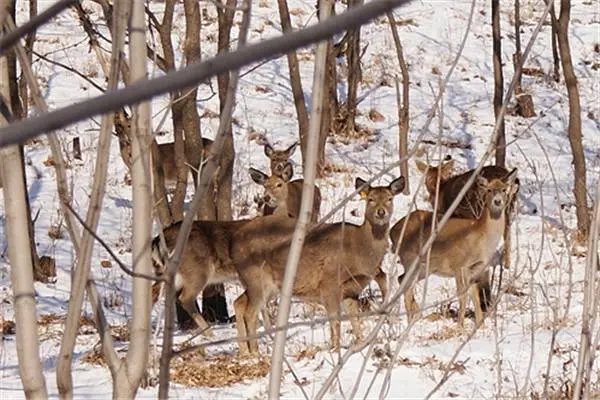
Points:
(462, 249)
(337, 262)
(284, 196)
(281, 166)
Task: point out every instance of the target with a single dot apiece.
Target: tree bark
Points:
(330, 103)
(217, 204)
(295, 81)
(319, 91)
(403, 107)
(128, 375)
(354, 71)
(574, 130)
(19, 239)
(498, 82)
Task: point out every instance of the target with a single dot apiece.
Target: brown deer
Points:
(337, 262)
(166, 152)
(472, 204)
(280, 166)
(281, 195)
(207, 261)
(463, 247)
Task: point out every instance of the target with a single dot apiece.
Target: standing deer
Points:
(281, 167)
(207, 261)
(472, 204)
(281, 195)
(337, 262)
(462, 249)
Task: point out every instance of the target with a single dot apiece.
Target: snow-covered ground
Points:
(506, 357)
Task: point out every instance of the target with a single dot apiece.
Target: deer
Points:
(281, 195)
(166, 151)
(281, 166)
(463, 247)
(472, 204)
(207, 261)
(337, 262)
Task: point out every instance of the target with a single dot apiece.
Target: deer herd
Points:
(339, 260)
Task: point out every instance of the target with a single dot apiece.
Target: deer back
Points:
(334, 253)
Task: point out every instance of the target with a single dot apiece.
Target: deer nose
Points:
(498, 202)
(381, 213)
(267, 198)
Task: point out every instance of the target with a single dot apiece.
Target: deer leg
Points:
(381, 279)
(352, 307)
(462, 297)
(239, 306)
(477, 304)
(188, 302)
(256, 300)
(332, 305)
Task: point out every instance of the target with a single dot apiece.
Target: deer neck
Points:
(377, 232)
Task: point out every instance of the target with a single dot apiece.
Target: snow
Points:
(506, 357)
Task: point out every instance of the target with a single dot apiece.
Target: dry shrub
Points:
(94, 357)
(447, 332)
(9, 327)
(341, 132)
(194, 370)
(55, 232)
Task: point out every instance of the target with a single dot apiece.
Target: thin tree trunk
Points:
(217, 205)
(319, 92)
(403, 108)
(555, 55)
(517, 55)
(128, 375)
(354, 71)
(330, 104)
(19, 239)
(295, 81)
(498, 82)
(583, 219)
(29, 41)
(82, 272)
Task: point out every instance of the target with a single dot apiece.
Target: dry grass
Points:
(194, 370)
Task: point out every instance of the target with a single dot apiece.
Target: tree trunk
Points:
(330, 103)
(128, 376)
(498, 82)
(19, 239)
(583, 219)
(403, 107)
(354, 71)
(295, 81)
(555, 56)
(29, 41)
(218, 205)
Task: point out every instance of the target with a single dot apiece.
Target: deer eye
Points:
(279, 184)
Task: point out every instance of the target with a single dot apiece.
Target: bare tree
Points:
(330, 102)
(524, 101)
(319, 91)
(583, 218)
(295, 81)
(354, 72)
(216, 204)
(498, 82)
(127, 374)
(403, 107)
(19, 239)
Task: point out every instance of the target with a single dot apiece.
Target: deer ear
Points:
(268, 150)
(288, 172)
(511, 178)
(421, 166)
(363, 188)
(482, 181)
(397, 185)
(290, 150)
(447, 168)
(257, 176)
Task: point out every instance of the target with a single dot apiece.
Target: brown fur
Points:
(337, 262)
(463, 247)
(282, 196)
(166, 153)
(280, 164)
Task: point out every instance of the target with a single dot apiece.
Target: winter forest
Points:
(252, 199)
